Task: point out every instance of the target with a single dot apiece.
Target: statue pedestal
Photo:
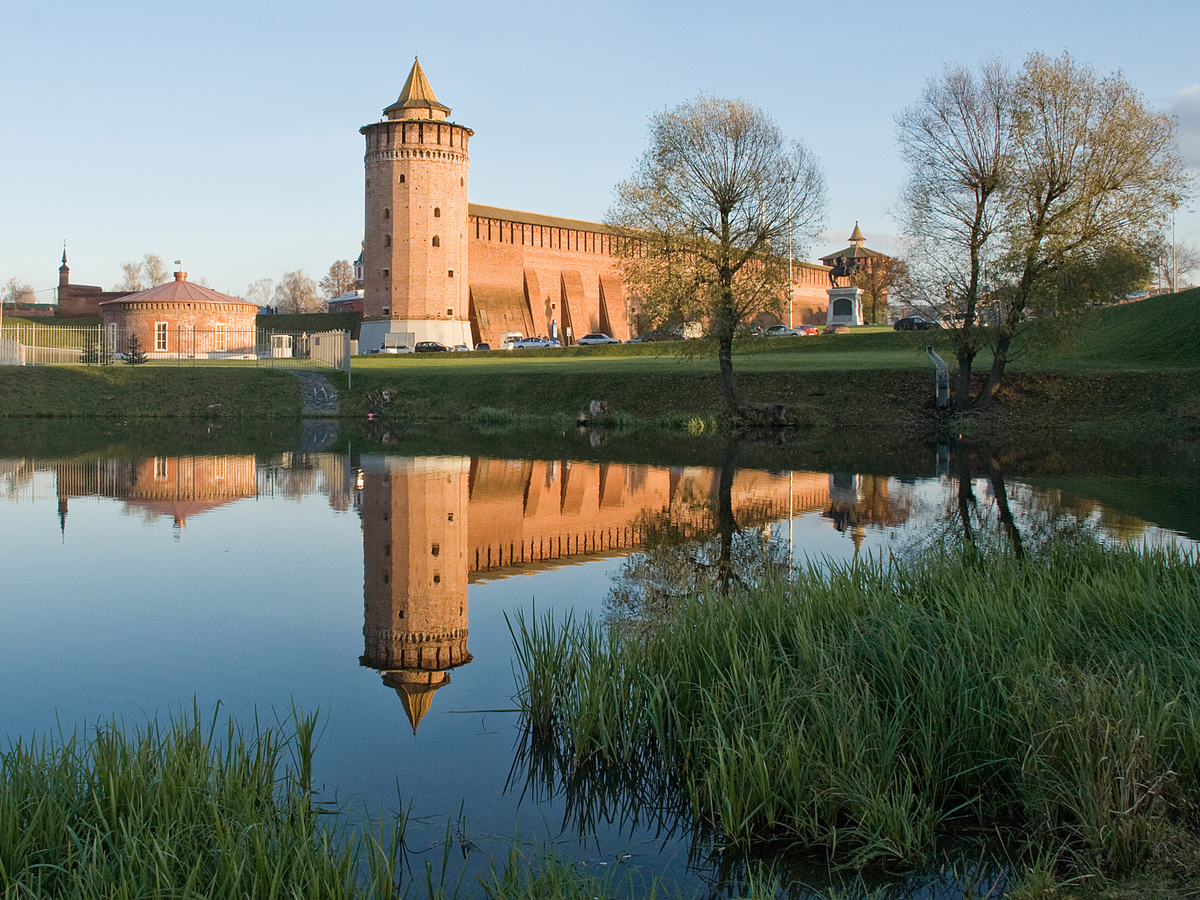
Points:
(845, 306)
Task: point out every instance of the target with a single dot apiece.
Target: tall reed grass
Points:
(871, 706)
(195, 808)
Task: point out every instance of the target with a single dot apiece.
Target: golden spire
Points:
(857, 237)
(416, 93)
(416, 690)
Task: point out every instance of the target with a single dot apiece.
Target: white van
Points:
(510, 338)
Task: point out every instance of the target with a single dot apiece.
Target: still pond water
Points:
(377, 589)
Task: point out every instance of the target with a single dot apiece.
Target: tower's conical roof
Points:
(416, 94)
(416, 690)
(857, 235)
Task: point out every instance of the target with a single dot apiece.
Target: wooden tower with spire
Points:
(415, 234)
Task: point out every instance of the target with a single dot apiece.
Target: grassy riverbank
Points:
(1129, 375)
(869, 708)
(199, 808)
(864, 711)
(147, 392)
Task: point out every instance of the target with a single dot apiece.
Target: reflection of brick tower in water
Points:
(414, 515)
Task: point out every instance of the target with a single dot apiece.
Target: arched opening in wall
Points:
(387, 240)
(437, 212)
(402, 179)
(437, 242)
(387, 213)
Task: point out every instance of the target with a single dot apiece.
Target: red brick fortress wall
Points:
(531, 273)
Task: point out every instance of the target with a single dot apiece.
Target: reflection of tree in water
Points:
(696, 546)
(675, 564)
(983, 510)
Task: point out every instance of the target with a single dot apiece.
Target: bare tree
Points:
(338, 280)
(260, 292)
(17, 292)
(297, 293)
(143, 274)
(877, 279)
(957, 141)
(1095, 169)
(155, 270)
(132, 280)
(1173, 263)
(706, 214)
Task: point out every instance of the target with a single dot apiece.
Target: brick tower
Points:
(415, 247)
(414, 519)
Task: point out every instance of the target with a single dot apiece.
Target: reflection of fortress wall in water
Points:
(175, 486)
(414, 514)
(527, 511)
(429, 523)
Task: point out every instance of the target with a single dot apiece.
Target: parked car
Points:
(462, 348)
(534, 343)
(509, 341)
(652, 337)
(784, 331)
(914, 323)
(431, 347)
(483, 346)
(597, 337)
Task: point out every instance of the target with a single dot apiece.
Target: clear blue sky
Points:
(226, 134)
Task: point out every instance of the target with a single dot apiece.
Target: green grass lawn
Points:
(147, 391)
(1112, 369)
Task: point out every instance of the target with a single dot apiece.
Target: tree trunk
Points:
(966, 496)
(962, 392)
(999, 363)
(733, 400)
(996, 479)
(727, 525)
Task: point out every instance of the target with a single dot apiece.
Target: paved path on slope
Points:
(318, 393)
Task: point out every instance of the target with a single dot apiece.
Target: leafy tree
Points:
(706, 219)
(1020, 184)
(338, 280)
(134, 354)
(297, 293)
(1095, 169)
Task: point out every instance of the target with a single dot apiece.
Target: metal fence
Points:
(36, 344)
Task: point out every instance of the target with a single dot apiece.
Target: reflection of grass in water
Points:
(867, 707)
